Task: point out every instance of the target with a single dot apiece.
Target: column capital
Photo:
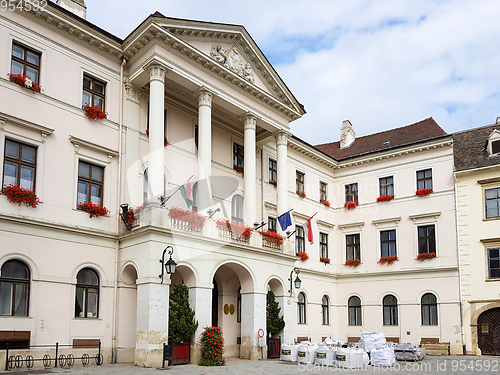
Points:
(281, 138)
(157, 72)
(205, 98)
(133, 93)
(250, 121)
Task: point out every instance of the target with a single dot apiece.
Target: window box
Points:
(303, 256)
(272, 237)
(351, 205)
(425, 256)
(353, 262)
(273, 182)
(388, 260)
(17, 194)
(385, 198)
(93, 112)
(324, 260)
(130, 217)
(165, 141)
(193, 218)
(237, 230)
(301, 193)
(94, 210)
(424, 192)
(325, 202)
(238, 169)
(25, 82)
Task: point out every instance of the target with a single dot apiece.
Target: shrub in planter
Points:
(324, 260)
(212, 347)
(181, 324)
(388, 260)
(425, 256)
(17, 194)
(94, 210)
(385, 198)
(93, 112)
(274, 322)
(423, 192)
(25, 82)
(303, 256)
(353, 262)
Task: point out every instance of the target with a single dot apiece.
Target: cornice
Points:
(44, 131)
(394, 220)
(271, 207)
(312, 153)
(429, 215)
(77, 142)
(325, 224)
(359, 225)
(490, 240)
(298, 215)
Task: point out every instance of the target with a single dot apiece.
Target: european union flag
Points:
(285, 220)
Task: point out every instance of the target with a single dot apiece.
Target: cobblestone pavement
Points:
(430, 365)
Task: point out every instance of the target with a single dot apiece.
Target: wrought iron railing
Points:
(269, 244)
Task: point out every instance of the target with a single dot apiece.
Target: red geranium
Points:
(351, 205)
(303, 256)
(237, 230)
(17, 194)
(25, 82)
(325, 202)
(324, 260)
(272, 236)
(423, 192)
(194, 219)
(301, 193)
(385, 198)
(353, 262)
(388, 260)
(93, 112)
(94, 210)
(238, 169)
(424, 256)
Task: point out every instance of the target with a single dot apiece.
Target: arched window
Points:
(14, 288)
(87, 294)
(238, 306)
(390, 307)
(354, 311)
(325, 312)
(145, 187)
(429, 310)
(301, 305)
(237, 208)
(194, 207)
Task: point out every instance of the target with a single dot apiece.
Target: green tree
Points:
(274, 322)
(181, 325)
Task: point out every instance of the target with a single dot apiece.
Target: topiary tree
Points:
(181, 325)
(274, 322)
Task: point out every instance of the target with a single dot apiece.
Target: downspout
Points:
(114, 346)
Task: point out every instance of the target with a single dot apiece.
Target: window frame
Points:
(238, 305)
(273, 170)
(25, 61)
(386, 187)
(19, 162)
(389, 242)
(325, 310)
(300, 178)
(429, 306)
(92, 91)
(427, 237)
(351, 192)
(237, 208)
(356, 246)
(489, 261)
(424, 179)
(86, 288)
(392, 310)
(238, 155)
(300, 239)
(14, 282)
(323, 190)
(354, 312)
(301, 309)
(90, 181)
(323, 244)
(196, 138)
(272, 224)
(497, 188)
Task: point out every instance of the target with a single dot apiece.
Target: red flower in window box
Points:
(303, 256)
(353, 262)
(325, 202)
(423, 192)
(301, 193)
(165, 141)
(130, 216)
(238, 169)
(324, 260)
(93, 113)
(425, 256)
(94, 210)
(192, 217)
(272, 236)
(238, 230)
(351, 205)
(17, 194)
(385, 198)
(273, 182)
(388, 260)
(25, 82)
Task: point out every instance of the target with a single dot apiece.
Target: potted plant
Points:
(272, 237)
(353, 262)
(324, 260)
(388, 259)
(303, 256)
(301, 193)
(273, 182)
(385, 198)
(192, 218)
(181, 324)
(424, 192)
(165, 141)
(93, 112)
(212, 347)
(351, 205)
(325, 202)
(237, 230)
(17, 194)
(238, 169)
(25, 82)
(94, 210)
(425, 256)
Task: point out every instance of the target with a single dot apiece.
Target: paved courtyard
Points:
(430, 365)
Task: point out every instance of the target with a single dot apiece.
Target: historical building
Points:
(196, 132)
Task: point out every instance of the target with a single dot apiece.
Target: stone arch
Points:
(23, 258)
(245, 275)
(129, 273)
(104, 281)
(275, 283)
(489, 306)
(184, 274)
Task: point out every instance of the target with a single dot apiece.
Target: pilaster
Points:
(249, 166)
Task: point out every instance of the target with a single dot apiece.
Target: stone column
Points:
(133, 185)
(282, 183)
(250, 169)
(152, 323)
(289, 313)
(204, 148)
(200, 300)
(156, 134)
(253, 318)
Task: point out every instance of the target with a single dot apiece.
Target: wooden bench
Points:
(85, 343)
(434, 346)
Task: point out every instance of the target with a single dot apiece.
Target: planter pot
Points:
(181, 353)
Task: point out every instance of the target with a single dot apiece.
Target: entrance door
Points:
(488, 332)
(215, 305)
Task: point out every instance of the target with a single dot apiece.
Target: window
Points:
(87, 294)
(25, 61)
(299, 181)
(145, 187)
(390, 307)
(238, 306)
(14, 288)
(196, 135)
(424, 179)
(429, 310)
(354, 311)
(273, 171)
(237, 208)
(271, 224)
(351, 192)
(323, 244)
(238, 155)
(426, 239)
(90, 183)
(495, 147)
(353, 250)
(494, 263)
(94, 92)
(322, 190)
(388, 243)
(492, 202)
(386, 186)
(299, 239)
(301, 306)
(19, 165)
(325, 310)
(194, 207)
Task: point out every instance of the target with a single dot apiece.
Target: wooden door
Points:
(488, 332)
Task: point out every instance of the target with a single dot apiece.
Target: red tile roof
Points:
(421, 131)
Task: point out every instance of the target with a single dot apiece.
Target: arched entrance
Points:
(488, 332)
(274, 338)
(127, 316)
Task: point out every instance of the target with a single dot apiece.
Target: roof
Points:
(421, 131)
(469, 148)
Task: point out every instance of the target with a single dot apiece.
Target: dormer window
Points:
(495, 147)
(494, 143)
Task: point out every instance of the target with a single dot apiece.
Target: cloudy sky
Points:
(381, 64)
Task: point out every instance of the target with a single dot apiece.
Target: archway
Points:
(127, 314)
(274, 311)
(488, 331)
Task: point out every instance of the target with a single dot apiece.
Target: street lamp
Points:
(297, 282)
(169, 264)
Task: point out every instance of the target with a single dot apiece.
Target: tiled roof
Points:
(424, 130)
(469, 148)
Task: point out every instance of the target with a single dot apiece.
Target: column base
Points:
(149, 358)
(250, 352)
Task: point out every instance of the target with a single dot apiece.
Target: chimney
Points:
(498, 120)
(347, 135)
(77, 7)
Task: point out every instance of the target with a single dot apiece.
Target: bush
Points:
(212, 347)
(181, 324)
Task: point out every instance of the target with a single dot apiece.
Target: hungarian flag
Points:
(308, 229)
(186, 192)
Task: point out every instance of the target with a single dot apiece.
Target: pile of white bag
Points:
(307, 352)
(383, 355)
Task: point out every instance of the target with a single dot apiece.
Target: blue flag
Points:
(285, 220)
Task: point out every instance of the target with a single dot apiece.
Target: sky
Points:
(379, 64)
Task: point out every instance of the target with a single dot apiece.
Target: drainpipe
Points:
(114, 346)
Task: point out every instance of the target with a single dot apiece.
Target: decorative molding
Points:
(489, 181)
(394, 220)
(232, 60)
(488, 241)
(44, 131)
(298, 215)
(133, 93)
(250, 122)
(77, 142)
(157, 72)
(431, 215)
(312, 153)
(205, 98)
(359, 224)
(325, 224)
(271, 207)
(281, 138)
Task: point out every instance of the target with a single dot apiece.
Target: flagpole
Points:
(287, 212)
(164, 200)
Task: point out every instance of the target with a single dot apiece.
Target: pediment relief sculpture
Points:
(232, 60)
